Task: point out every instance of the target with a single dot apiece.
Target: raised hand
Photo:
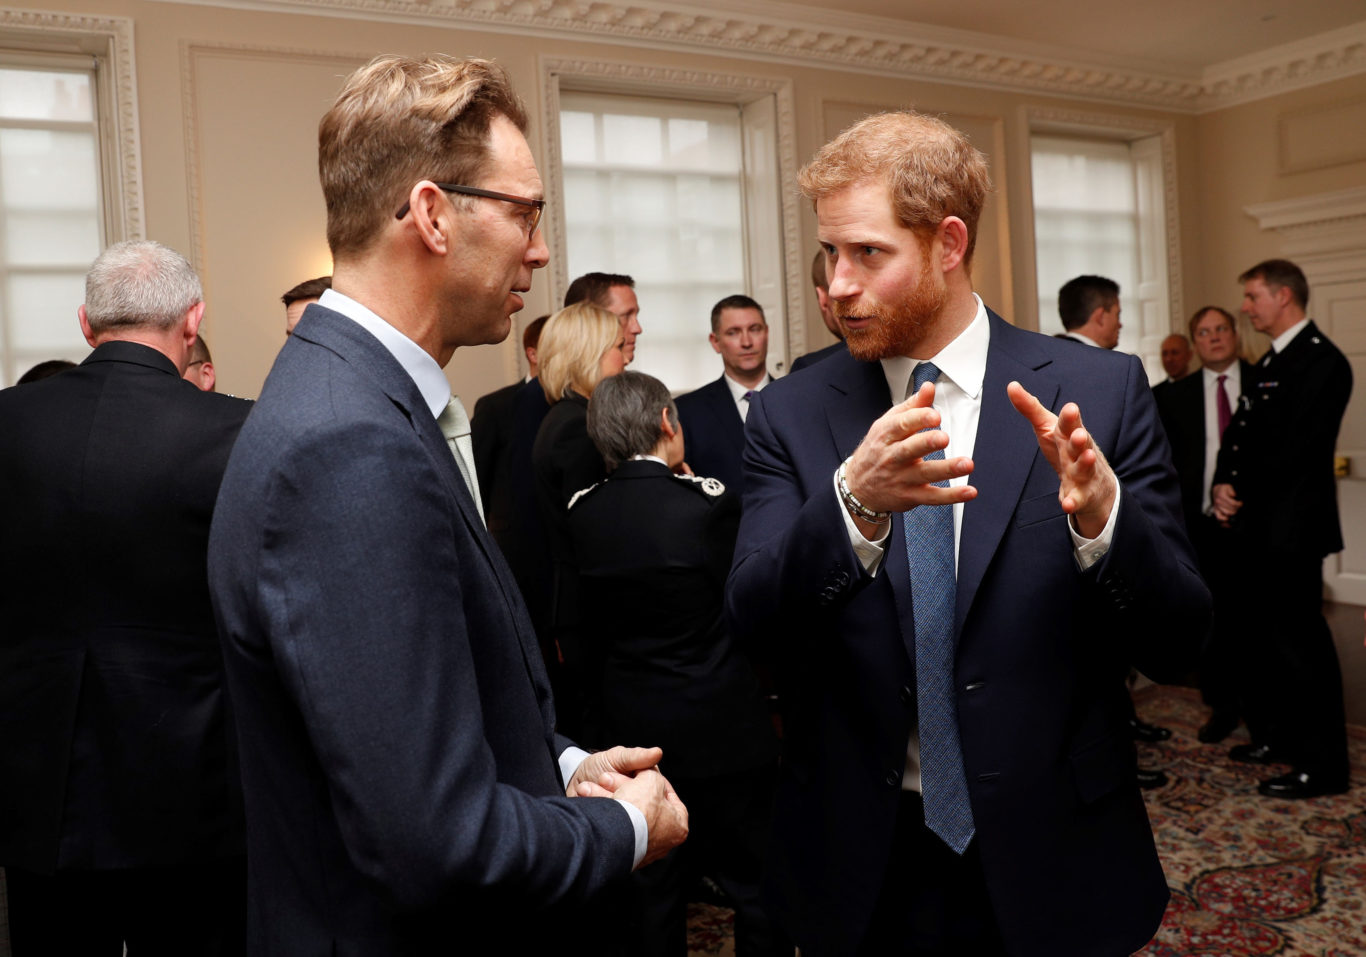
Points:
(1086, 484)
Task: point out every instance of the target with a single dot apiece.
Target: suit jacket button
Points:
(907, 695)
(893, 779)
(974, 686)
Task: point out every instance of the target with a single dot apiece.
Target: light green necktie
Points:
(455, 426)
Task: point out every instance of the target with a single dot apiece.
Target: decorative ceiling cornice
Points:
(881, 46)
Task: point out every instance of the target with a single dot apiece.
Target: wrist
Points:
(853, 505)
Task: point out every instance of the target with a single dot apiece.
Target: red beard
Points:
(898, 325)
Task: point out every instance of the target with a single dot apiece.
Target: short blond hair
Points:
(400, 120)
(930, 168)
(572, 345)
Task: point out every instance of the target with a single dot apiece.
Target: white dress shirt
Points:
(436, 392)
(740, 393)
(958, 399)
(1233, 387)
(1280, 342)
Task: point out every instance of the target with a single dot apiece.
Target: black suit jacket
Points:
(1067, 852)
(116, 749)
(651, 551)
(523, 538)
(1181, 404)
(1278, 450)
(491, 431)
(398, 753)
(811, 358)
(713, 433)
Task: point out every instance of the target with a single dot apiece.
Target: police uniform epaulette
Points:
(580, 494)
(711, 486)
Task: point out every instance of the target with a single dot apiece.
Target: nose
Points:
(843, 284)
(537, 253)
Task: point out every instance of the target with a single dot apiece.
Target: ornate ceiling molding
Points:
(872, 45)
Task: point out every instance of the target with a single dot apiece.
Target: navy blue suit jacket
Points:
(811, 358)
(713, 433)
(397, 729)
(1065, 844)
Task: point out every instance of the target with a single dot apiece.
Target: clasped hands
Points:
(888, 472)
(632, 775)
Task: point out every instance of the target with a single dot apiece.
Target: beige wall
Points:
(1292, 146)
(229, 102)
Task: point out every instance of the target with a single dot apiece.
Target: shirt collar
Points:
(416, 361)
(1087, 340)
(1280, 342)
(964, 360)
(737, 391)
(1233, 372)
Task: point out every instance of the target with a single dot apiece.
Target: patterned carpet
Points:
(1250, 876)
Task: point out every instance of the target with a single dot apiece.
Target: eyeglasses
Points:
(533, 220)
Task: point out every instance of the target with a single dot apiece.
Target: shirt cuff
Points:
(868, 553)
(1088, 551)
(570, 760)
(642, 830)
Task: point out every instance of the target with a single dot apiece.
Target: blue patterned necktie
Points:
(929, 549)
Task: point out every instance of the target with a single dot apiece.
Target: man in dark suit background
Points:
(403, 779)
(822, 288)
(120, 808)
(1274, 485)
(652, 549)
(1176, 360)
(491, 432)
(1195, 415)
(987, 686)
(714, 415)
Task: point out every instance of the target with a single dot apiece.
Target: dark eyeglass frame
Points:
(537, 204)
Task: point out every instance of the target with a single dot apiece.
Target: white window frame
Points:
(105, 46)
(1156, 305)
(772, 235)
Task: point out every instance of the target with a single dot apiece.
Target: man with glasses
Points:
(402, 775)
(1195, 411)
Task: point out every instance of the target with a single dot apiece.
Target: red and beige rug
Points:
(1250, 876)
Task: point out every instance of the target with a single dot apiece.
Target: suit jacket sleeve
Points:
(365, 562)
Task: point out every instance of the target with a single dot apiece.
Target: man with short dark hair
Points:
(617, 294)
(200, 370)
(402, 773)
(652, 549)
(1274, 486)
(120, 807)
(822, 288)
(958, 775)
(714, 415)
(1089, 309)
(1196, 411)
(298, 298)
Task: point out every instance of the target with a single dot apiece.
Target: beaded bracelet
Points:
(854, 505)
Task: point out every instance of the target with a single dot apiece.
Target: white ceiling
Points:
(1184, 37)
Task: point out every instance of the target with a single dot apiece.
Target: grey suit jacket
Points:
(398, 746)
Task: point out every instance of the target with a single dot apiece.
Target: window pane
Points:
(44, 95)
(42, 312)
(662, 203)
(47, 169)
(35, 239)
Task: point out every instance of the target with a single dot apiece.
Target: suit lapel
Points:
(355, 345)
(1003, 454)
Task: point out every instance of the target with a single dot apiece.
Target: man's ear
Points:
(210, 376)
(431, 216)
(85, 327)
(715, 342)
(666, 425)
(193, 317)
(952, 234)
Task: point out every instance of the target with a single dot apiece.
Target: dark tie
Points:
(929, 549)
(1221, 403)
